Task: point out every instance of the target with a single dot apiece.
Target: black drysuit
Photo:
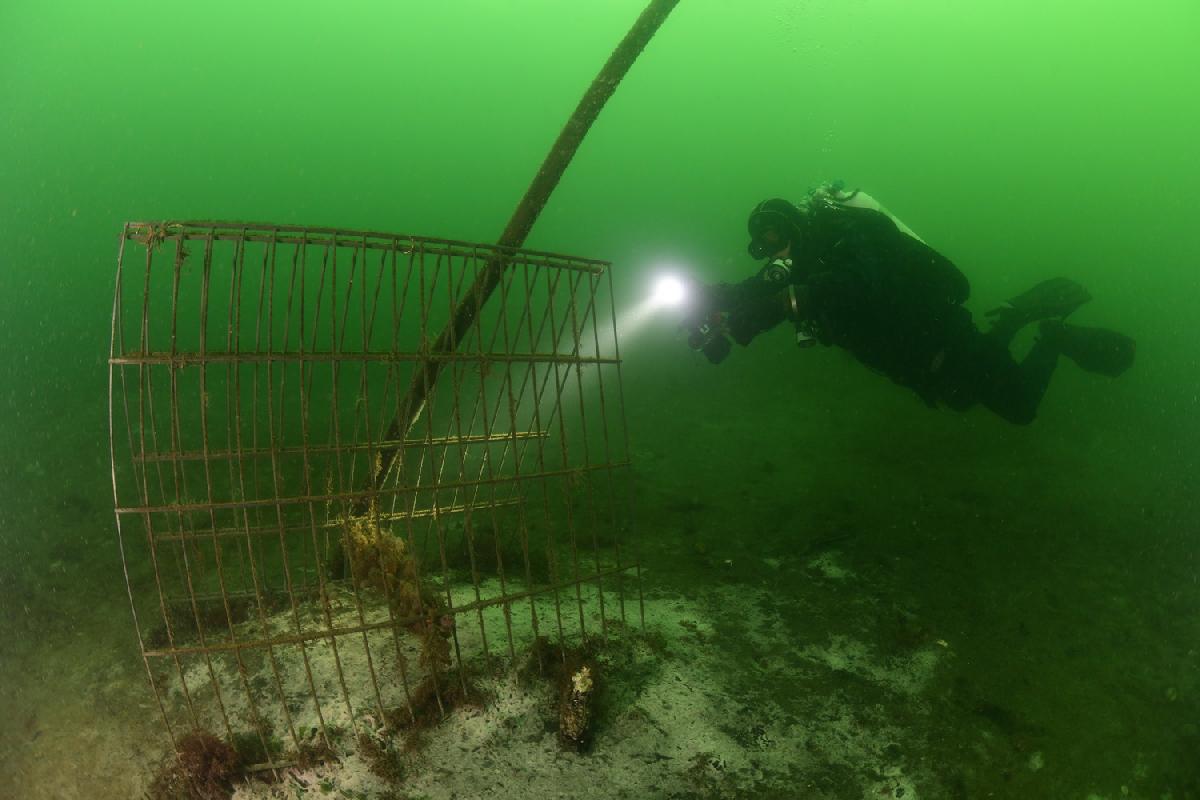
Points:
(896, 305)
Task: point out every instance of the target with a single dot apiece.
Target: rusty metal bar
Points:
(526, 213)
(367, 446)
(118, 338)
(176, 508)
(180, 360)
(333, 524)
(185, 230)
(352, 630)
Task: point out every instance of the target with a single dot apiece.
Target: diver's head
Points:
(773, 225)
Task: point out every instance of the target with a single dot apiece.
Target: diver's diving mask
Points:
(768, 239)
(772, 226)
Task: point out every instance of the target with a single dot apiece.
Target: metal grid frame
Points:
(254, 372)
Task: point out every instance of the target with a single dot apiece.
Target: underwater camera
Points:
(706, 326)
(708, 336)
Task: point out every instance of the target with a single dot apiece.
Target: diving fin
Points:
(1094, 349)
(1055, 298)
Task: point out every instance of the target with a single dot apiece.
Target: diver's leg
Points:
(1056, 298)
(1094, 349)
(1005, 328)
(979, 369)
(1014, 390)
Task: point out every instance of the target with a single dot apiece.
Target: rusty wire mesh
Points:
(280, 593)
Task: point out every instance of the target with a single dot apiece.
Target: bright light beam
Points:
(669, 291)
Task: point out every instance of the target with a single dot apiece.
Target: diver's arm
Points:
(825, 303)
(823, 299)
(754, 305)
(758, 315)
(732, 296)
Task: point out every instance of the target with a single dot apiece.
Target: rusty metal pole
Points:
(520, 224)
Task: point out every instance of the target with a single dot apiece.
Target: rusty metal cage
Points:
(296, 568)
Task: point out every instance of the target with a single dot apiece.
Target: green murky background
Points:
(1022, 139)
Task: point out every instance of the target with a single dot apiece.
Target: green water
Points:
(1023, 140)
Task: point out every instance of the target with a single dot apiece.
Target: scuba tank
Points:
(835, 193)
(922, 266)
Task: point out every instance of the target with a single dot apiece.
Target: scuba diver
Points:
(845, 272)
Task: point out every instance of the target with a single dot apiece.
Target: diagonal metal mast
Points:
(519, 225)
